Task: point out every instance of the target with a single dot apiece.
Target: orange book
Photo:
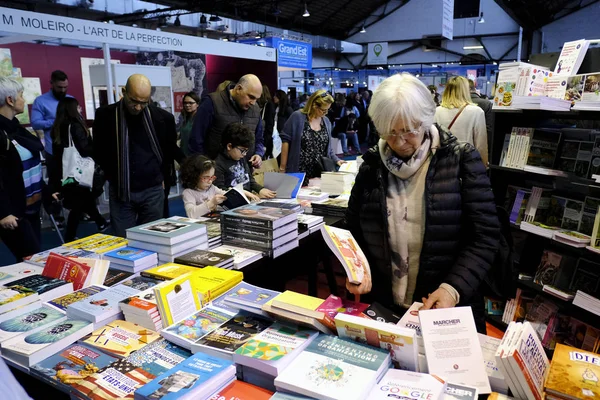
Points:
(239, 390)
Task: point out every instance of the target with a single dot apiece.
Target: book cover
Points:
(30, 322)
(102, 304)
(176, 298)
(590, 207)
(235, 198)
(239, 390)
(115, 276)
(130, 254)
(203, 258)
(334, 305)
(544, 148)
(159, 357)
(460, 392)
(270, 235)
(121, 338)
(195, 326)
(251, 295)
(167, 271)
(165, 231)
(212, 282)
(241, 256)
(142, 282)
(63, 302)
(40, 259)
(17, 271)
(193, 378)
(37, 283)
(344, 246)
(408, 385)
(235, 332)
(98, 243)
(72, 364)
(379, 313)
(506, 85)
(68, 270)
(256, 215)
(299, 303)
(14, 296)
(548, 268)
(540, 314)
(571, 57)
(574, 374)
(118, 380)
(400, 342)
(530, 363)
(586, 277)
(334, 368)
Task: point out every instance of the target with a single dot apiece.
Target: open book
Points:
(285, 185)
(235, 198)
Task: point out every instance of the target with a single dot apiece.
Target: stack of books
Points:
(159, 357)
(47, 288)
(272, 230)
(312, 195)
(522, 360)
(98, 243)
(121, 338)
(331, 207)
(13, 272)
(587, 302)
(82, 272)
(131, 259)
(541, 103)
(16, 301)
(213, 229)
(198, 377)
(29, 322)
(249, 298)
(40, 259)
(204, 258)
(489, 346)
(300, 309)
(336, 183)
(168, 238)
(573, 374)
(63, 302)
(142, 309)
(308, 224)
(241, 256)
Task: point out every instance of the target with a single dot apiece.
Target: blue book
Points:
(198, 377)
(159, 357)
(250, 296)
(71, 365)
(30, 322)
(130, 256)
(102, 305)
(166, 232)
(222, 303)
(63, 302)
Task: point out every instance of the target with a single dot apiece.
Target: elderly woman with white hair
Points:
(422, 208)
(20, 176)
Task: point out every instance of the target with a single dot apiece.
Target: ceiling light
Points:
(364, 83)
(363, 30)
(215, 18)
(417, 75)
(495, 63)
(306, 13)
(472, 47)
(177, 21)
(302, 81)
(481, 20)
(317, 79)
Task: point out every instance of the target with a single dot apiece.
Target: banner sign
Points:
(377, 53)
(448, 19)
(290, 53)
(53, 26)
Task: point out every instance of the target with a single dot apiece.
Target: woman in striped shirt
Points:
(20, 175)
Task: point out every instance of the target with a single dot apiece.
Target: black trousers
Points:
(25, 239)
(79, 200)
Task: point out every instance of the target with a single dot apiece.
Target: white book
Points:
(177, 249)
(571, 57)
(241, 256)
(452, 346)
(511, 335)
(15, 312)
(165, 232)
(28, 350)
(17, 271)
(512, 145)
(489, 347)
(408, 385)
(101, 306)
(30, 322)
(410, 320)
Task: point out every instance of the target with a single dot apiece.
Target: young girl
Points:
(200, 196)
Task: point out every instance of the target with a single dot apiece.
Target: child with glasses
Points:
(200, 196)
(232, 166)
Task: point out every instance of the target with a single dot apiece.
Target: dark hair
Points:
(194, 97)
(66, 114)
(283, 101)
(351, 115)
(238, 135)
(265, 97)
(58, 76)
(192, 168)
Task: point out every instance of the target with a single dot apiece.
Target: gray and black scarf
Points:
(123, 147)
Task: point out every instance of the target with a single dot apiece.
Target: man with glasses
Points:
(219, 109)
(135, 144)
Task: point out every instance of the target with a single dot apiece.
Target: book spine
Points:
(250, 222)
(246, 232)
(157, 277)
(243, 240)
(531, 390)
(511, 148)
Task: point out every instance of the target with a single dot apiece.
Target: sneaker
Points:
(103, 227)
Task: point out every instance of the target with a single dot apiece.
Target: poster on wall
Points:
(6, 65)
(88, 94)
(32, 88)
(188, 72)
(377, 53)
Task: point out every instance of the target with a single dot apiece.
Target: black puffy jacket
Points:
(462, 231)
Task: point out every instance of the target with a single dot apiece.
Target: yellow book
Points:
(574, 374)
(98, 243)
(168, 271)
(211, 282)
(299, 303)
(121, 338)
(176, 298)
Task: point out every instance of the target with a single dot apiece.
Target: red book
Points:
(239, 390)
(334, 305)
(67, 269)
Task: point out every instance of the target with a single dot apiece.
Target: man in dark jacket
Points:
(461, 233)
(486, 106)
(219, 109)
(135, 144)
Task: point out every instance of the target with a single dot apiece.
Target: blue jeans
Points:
(143, 207)
(354, 137)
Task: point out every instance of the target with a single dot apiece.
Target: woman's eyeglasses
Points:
(405, 134)
(208, 178)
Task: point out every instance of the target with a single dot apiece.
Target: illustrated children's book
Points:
(121, 338)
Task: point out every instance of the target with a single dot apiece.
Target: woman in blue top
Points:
(20, 176)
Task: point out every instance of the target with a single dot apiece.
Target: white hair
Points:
(9, 88)
(401, 97)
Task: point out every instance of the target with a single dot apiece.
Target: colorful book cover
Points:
(574, 374)
(118, 380)
(13, 272)
(121, 338)
(251, 295)
(239, 390)
(141, 282)
(211, 282)
(548, 268)
(68, 270)
(234, 333)
(98, 243)
(176, 298)
(63, 302)
(29, 322)
(344, 246)
(199, 324)
(129, 254)
(40, 259)
(159, 357)
(334, 305)
(103, 303)
(38, 283)
(167, 271)
(413, 385)
(114, 276)
(331, 367)
(186, 379)
(72, 364)
(222, 303)
(11, 295)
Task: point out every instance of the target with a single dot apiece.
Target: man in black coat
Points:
(486, 106)
(135, 144)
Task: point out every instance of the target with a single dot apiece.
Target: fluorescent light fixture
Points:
(363, 30)
(478, 47)
(306, 13)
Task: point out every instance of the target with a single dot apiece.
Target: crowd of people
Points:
(421, 208)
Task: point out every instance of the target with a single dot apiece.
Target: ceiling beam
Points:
(485, 49)
(574, 10)
(511, 13)
(334, 13)
(455, 37)
(509, 50)
(379, 18)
